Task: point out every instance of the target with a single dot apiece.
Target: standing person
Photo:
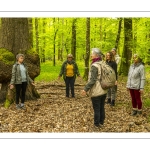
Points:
(20, 79)
(93, 87)
(135, 84)
(116, 56)
(111, 94)
(69, 70)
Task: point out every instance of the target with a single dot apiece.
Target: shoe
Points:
(97, 125)
(108, 101)
(113, 103)
(134, 112)
(18, 106)
(22, 107)
(139, 112)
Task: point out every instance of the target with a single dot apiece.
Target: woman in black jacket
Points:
(111, 94)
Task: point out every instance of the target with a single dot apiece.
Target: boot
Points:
(113, 103)
(108, 101)
(139, 112)
(134, 112)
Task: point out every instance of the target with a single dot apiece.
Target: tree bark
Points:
(37, 34)
(87, 55)
(118, 34)
(73, 43)
(14, 39)
(127, 50)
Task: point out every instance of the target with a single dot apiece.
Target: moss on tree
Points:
(6, 56)
(31, 52)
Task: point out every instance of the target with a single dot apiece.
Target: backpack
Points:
(108, 76)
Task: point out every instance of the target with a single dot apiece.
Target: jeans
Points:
(20, 88)
(69, 81)
(111, 94)
(99, 110)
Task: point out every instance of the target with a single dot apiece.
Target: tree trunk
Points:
(43, 48)
(127, 51)
(87, 55)
(37, 35)
(118, 34)
(73, 43)
(30, 31)
(14, 39)
(101, 32)
(54, 43)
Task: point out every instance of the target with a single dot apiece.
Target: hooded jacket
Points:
(136, 77)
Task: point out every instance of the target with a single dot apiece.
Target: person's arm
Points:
(94, 74)
(13, 77)
(115, 69)
(62, 70)
(142, 77)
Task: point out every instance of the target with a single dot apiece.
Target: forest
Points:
(46, 43)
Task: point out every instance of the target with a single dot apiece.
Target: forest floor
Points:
(54, 113)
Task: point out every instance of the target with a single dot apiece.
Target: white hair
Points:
(96, 51)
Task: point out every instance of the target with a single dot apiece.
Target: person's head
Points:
(69, 57)
(96, 53)
(136, 59)
(20, 58)
(109, 56)
(114, 51)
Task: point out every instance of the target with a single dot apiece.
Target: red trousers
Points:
(136, 98)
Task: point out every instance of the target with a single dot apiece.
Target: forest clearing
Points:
(46, 42)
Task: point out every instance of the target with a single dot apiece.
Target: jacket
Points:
(64, 66)
(136, 76)
(117, 59)
(93, 87)
(113, 64)
(16, 74)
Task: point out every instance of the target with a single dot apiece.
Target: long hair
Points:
(112, 58)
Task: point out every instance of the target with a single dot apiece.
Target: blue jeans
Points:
(69, 84)
(99, 110)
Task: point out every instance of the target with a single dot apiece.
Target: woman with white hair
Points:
(135, 84)
(97, 94)
(20, 78)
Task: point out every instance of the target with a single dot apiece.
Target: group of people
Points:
(69, 71)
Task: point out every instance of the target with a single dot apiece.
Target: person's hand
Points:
(11, 86)
(116, 82)
(141, 91)
(83, 93)
(33, 83)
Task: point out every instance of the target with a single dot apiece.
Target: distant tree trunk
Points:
(54, 43)
(43, 40)
(30, 30)
(14, 39)
(73, 43)
(101, 32)
(37, 35)
(87, 55)
(118, 34)
(62, 41)
(127, 50)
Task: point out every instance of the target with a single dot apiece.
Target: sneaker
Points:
(108, 101)
(134, 112)
(18, 106)
(139, 112)
(22, 107)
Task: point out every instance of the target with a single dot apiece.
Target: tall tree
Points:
(54, 42)
(128, 43)
(37, 34)
(87, 55)
(14, 39)
(73, 42)
(118, 34)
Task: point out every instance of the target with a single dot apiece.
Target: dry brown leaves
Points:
(54, 113)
